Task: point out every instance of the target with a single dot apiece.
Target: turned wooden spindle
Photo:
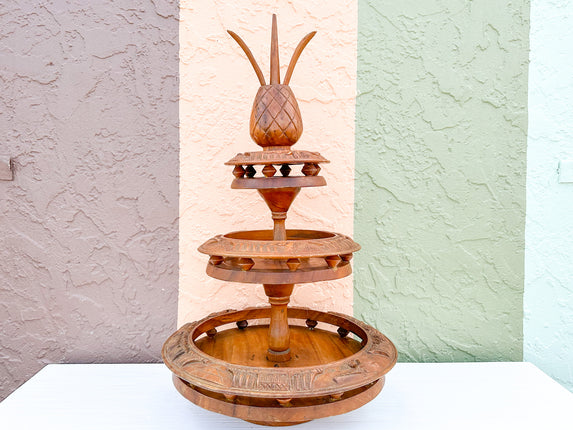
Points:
(279, 201)
(279, 228)
(279, 339)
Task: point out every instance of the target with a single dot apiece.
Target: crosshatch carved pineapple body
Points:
(275, 118)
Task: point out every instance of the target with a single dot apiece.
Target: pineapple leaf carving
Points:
(275, 117)
(275, 67)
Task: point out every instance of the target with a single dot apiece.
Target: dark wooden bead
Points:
(250, 171)
(285, 169)
(311, 323)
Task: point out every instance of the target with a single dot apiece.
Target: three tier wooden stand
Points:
(303, 364)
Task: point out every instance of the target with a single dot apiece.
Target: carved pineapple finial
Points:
(275, 117)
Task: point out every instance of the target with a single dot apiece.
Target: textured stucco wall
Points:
(548, 298)
(89, 226)
(217, 89)
(440, 167)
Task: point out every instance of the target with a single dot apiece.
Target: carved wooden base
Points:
(337, 364)
(291, 414)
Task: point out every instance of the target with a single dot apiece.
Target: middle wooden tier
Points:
(254, 257)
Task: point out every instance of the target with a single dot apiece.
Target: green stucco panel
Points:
(441, 123)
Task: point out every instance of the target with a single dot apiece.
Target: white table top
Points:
(416, 396)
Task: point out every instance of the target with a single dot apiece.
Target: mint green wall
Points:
(441, 127)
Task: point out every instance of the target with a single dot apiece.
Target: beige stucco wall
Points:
(217, 88)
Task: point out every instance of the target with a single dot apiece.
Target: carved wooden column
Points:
(279, 339)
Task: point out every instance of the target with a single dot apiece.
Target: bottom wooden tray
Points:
(338, 364)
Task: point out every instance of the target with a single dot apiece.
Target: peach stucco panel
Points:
(217, 88)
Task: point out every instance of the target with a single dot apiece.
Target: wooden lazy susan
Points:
(278, 365)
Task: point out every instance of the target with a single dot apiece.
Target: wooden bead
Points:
(215, 260)
(293, 264)
(238, 171)
(310, 169)
(346, 257)
(245, 264)
(242, 324)
(311, 323)
(333, 261)
(269, 170)
(285, 403)
(335, 397)
(342, 332)
(250, 171)
(230, 397)
(285, 170)
(212, 332)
